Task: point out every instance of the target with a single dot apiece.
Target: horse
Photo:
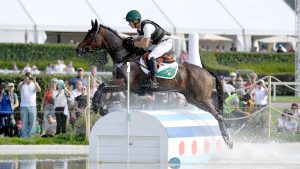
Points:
(194, 82)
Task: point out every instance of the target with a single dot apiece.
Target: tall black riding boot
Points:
(153, 69)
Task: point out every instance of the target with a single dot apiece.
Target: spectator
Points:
(70, 69)
(281, 120)
(260, 95)
(80, 103)
(217, 49)
(251, 84)
(78, 90)
(47, 106)
(15, 67)
(226, 87)
(184, 57)
(290, 125)
(93, 88)
(281, 49)
(292, 50)
(232, 102)
(232, 80)
(28, 88)
(26, 69)
(94, 74)
(295, 110)
(14, 103)
(38, 126)
(61, 106)
(8, 103)
(59, 67)
(18, 129)
(296, 113)
(70, 98)
(49, 69)
(233, 48)
(50, 128)
(80, 74)
(239, 82)
(251, 80)
(70, 102)
(35, 70)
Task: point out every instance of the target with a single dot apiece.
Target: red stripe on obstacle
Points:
(206, 146)
(181, 148)
(194, 147)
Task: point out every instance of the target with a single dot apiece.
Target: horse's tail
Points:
(220, 92)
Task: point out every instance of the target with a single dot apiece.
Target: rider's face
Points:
(131, 24)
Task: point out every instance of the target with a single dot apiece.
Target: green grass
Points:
(60, 139)
(290, 99)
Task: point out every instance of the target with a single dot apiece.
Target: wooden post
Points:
(87, 110)
(269, 105)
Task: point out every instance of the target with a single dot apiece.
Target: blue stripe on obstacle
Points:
(178, 117)
(193, 131)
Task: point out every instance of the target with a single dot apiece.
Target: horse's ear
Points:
(96, 22)
(92, 22)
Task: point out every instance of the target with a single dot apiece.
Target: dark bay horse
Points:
(195, 83)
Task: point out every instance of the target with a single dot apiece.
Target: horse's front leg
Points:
(219, 117)
(99, 97)
(97, 100)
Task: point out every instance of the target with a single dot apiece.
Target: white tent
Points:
(211, 37)
(201, 16)
(230, 17)
(113, 12)
(262, 17)
(60, 15)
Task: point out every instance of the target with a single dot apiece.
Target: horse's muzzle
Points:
(80, 51)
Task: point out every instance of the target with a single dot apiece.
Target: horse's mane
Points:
(107, 28)
(111, 30)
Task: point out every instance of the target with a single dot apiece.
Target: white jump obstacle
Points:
(155, 137)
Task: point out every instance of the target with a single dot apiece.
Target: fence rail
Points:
(274, 84)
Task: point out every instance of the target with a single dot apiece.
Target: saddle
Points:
(166, 58)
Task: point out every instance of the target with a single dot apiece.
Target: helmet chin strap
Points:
(135, 23)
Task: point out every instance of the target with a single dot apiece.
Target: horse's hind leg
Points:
(208, 106)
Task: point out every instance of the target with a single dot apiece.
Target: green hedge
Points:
(261, 63)
(42, 54)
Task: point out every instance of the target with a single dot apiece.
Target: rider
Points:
(150, 31)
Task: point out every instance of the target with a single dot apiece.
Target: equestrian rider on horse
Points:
(150, 31)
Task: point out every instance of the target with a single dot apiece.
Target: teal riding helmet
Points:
(133, 15)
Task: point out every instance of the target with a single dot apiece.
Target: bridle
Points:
(109, 49)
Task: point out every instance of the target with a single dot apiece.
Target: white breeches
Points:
(160, 49)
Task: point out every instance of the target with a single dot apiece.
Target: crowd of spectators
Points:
(62, 100)
(246, 97)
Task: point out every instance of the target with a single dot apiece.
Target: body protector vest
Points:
(157, 35)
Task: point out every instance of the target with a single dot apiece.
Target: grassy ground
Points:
(286, 99)
(60, 139)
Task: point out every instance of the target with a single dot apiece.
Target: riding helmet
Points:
(133, 15)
